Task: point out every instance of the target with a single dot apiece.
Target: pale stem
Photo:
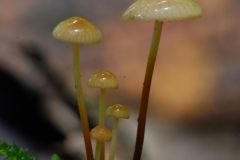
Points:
(114, 139)
(81, 103)
(102, 104)
(146, 89)
(98, 151)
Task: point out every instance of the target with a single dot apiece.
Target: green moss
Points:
(14, 152)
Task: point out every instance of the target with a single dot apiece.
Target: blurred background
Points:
(194, 105)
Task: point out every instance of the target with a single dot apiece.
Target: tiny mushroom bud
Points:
(103, 79)
(116, 111)
(101, 134)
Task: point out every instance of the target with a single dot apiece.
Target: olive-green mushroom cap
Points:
(101, 133)
(163, 10)
(77, 30)
(117, 111)
(103, 79)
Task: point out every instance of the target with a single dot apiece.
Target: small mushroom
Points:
(116, 111)
(104, 80)
(101, 134)
(157, 11)
(78, 30)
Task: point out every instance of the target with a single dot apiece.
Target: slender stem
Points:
(81, 103)
(146, 89)
(103, 151)
(102, 104)
(114, 139)
(98, 151)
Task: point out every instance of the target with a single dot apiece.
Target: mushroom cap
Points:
(117, 111)
(163, 10)
(103, 79)
(77, 30)
(101, 133)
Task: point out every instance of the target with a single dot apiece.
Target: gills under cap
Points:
(163, 10)
(77, 30)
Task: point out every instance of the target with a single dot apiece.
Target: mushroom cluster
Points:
(78, 30)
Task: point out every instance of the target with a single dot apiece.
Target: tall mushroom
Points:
(157, 11)
(78, 30)
(104, 80)
(116, 111)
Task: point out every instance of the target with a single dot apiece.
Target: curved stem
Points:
(114, 139)
(81, 103)
(146, 89)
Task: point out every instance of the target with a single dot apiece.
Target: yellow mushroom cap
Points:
(77, 30)
(101, 133)
(163, 10)
(117, 111)
(103, 79)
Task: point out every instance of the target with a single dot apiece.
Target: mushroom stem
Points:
(114, 139)
(98, 151)
(146, 89)
(81, 103)
(102, 104)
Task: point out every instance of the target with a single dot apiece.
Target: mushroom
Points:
(104, 80)
(78, 30)
(101, 134)
(163, 10)
(116, 111)
(158, 11)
